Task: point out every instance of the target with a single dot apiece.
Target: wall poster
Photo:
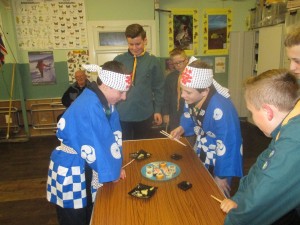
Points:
(75, 60)
(217, 25)
(51, 24)
(41, 66)
(183, 30)
(220, 65)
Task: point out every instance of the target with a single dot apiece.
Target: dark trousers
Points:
(137, 130)
(67, 216)
(291, 218)
(74, 216)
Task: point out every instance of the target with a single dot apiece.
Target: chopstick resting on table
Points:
(128, 163)
(170, 136)
(215, 198)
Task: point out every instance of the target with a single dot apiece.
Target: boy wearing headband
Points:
(270, 192)
(210, 114)
(145, 98)
(91, 145)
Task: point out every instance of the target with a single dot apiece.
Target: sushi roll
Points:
(159, 176)
(163, 164)
(149, 173)
(155, 164)
(172, 168)
(168, 174)
(149, 168)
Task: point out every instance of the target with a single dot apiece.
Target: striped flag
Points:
(3, 51)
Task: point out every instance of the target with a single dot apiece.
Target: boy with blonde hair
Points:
(271, 188)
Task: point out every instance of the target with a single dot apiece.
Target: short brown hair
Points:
(200, 64)
(276, 87)
(293, 37)
(177, 51)
(135, 30)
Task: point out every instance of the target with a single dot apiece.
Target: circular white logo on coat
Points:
(88, 153)
(187, 115)
(115, 151)
(221, 148)
(218, 114)
(61, 124)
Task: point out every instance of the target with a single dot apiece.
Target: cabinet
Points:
(241, 66)
(269, 47)
(251, 53)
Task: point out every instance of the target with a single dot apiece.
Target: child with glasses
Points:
(173, 103)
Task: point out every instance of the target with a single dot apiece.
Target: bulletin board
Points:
(217, 25)
(183, 30)
(51, 24)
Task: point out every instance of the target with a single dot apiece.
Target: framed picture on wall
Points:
(183, 30)
(217, 26)
(41, 65)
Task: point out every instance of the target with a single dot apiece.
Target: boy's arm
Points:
(186, 122)
(268, 191)
(158, 83)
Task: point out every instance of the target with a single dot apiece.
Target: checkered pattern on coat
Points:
(66, 187)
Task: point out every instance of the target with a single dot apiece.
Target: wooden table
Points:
(169, 205)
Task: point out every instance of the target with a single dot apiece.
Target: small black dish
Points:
(141, 154)
(176, 156)
(184, 185)
(143, 191)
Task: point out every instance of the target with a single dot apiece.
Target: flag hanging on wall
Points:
(3, 51)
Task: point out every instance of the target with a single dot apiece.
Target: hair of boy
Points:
(177, 51)
(135, 30)
(292, 37)
(277, 87)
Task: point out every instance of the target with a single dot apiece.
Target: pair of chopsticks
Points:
(170, 136)
(128, 163)
(215, 198)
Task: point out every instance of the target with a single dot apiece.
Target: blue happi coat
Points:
(88, 135)
(219, 141)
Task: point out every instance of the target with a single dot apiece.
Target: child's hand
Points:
(224, 186)
(123, 174)
(177, 132)
(166, 119)
(227, 204)
(157, 119)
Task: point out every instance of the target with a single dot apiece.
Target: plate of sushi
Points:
(160, 170)
(143, 191)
